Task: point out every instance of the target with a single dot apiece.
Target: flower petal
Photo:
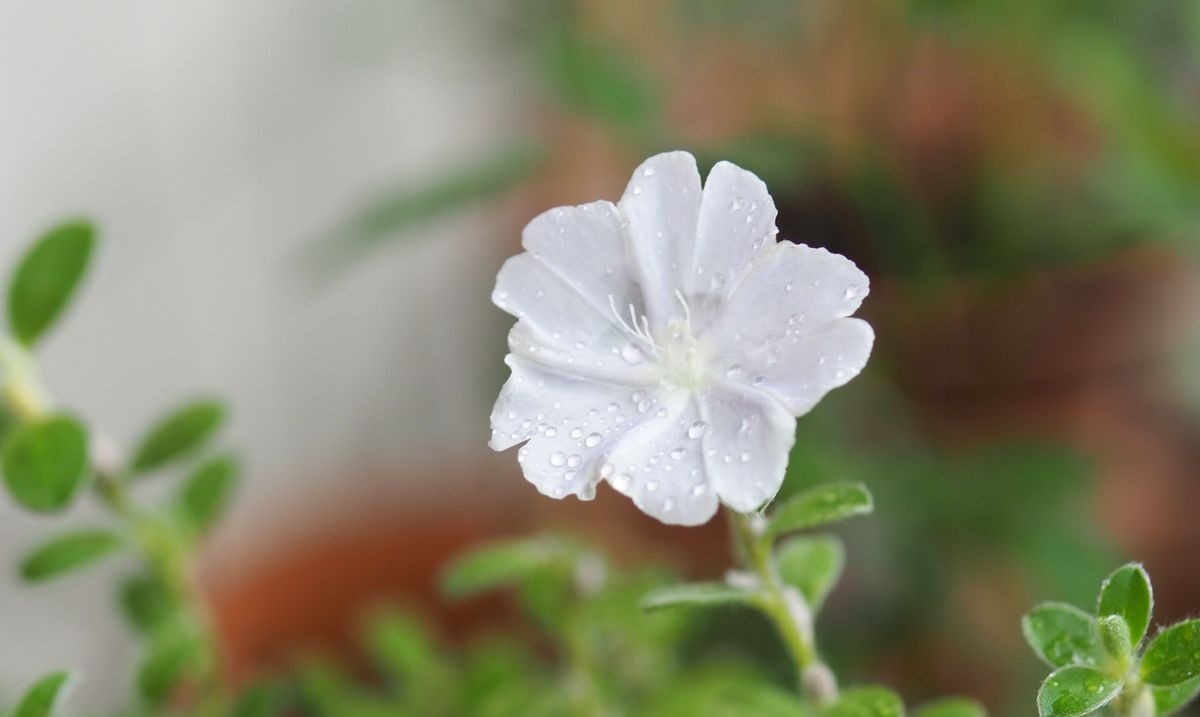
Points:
(560, 323)
(791, 289)
(747, 440)
(801, 369)
(660, 464)
(569, 423)
(737, 223)
(662, 205)
(586, 246)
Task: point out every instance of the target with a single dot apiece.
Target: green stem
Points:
(787, 609)
(165, 553)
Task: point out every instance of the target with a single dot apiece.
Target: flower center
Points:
(682, 359)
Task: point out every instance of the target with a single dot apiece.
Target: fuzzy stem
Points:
(787, 609)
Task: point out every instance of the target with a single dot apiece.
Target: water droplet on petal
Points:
(572, 461)
(633, 354)
(678, 454)
(648, 171)
(699, 490)
(576, 433)
(557, 458)
(651, 485)
(734, 371)
(697, 429)
(592, 440)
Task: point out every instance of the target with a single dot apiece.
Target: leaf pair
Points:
(811, 564)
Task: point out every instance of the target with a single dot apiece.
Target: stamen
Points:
(687, 311)
(640, 330)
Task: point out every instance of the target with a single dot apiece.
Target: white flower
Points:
(667, 343)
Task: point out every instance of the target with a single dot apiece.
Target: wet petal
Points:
(800, 369)
(747, 440)
(569, 423)
(737, 222)
(660, 464)
(559, 324)
(662, 205)
(790, 290)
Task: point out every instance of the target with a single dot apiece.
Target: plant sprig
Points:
(50, 457)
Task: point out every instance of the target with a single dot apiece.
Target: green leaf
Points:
(699, 595)
(207, 492)
(169, 660)
(1168, 700)
(1173, 656)
(1114, 636)
(147, 602)
(812, 565)
(951, 707)
(392, 217)
(867, 702)
(178, 434)
(1062, 635)
(1076, 690)
(69, 552)
(1127, 593)
(509, 563)
(45, 463)
(818, 506)
(46, 278)
(42, 700)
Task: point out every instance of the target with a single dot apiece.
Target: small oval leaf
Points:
(45, 462)
(44, 698)
(69, 552)
(1173, 656)
(812, 565)
(1169, 700)
(699, 595)
(510, 563)
(1114, 636)
(178, 434)
(47, 277)
(1127, 593)
(1076, 690)
(1062, 635)
(819, 506)
(207, 492)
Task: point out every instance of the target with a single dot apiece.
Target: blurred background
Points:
(303, 205)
